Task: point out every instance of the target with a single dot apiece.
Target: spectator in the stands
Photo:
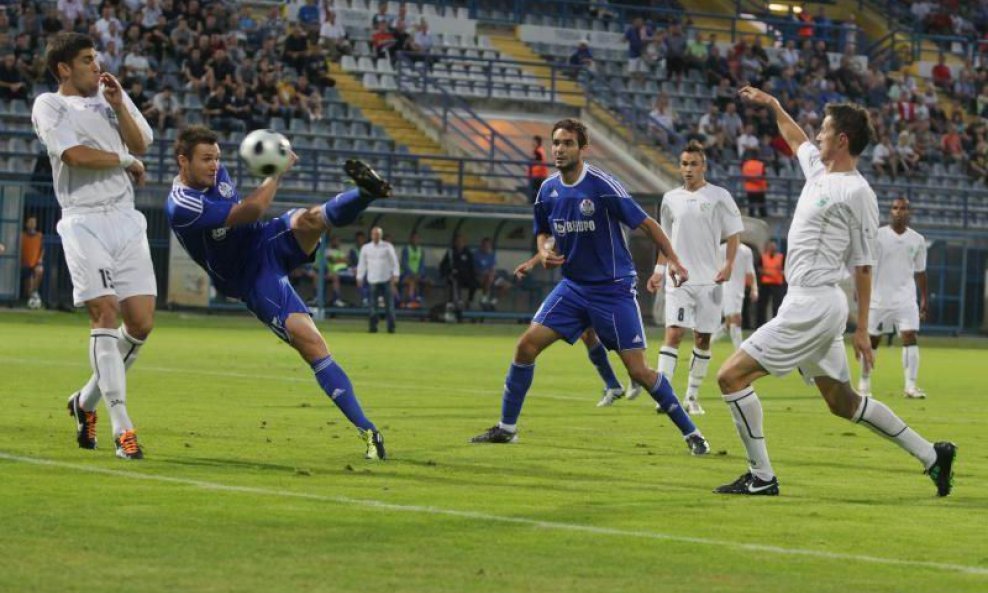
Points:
(308, 16)
(106, 21)
(906, 151)
(136, 64)
(309, 99)
(884, 159)
(724, 93)
(316, 69)
(12, 82)
(582, 57)
(675, 44)
(71, 10)
(716, 68)
(381, 16)
(333, 37)
(293, 53)
(696, 50)
(942, 76)
(136, 93)
(711, 128)
(664, 123)
(182, 37)
(383, 40)
(241, 107)
(224, 70)
(951, 146)
(537, 169)
(165, 111)
(198, 75)
(747, 140)
(731, 124)
(216, 110)
(637, 37)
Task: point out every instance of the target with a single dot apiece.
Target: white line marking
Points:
(487, 517)
(235, 375)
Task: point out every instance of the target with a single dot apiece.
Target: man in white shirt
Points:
(332, 36)
(378, 262)
(747, 141)
(696, 217)
(834, 227)
(900, 268)
(91, 130)
(742, 274)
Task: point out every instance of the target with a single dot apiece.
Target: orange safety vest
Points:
(538, 170)
(30, 249)
(772, 268)
(753, 171)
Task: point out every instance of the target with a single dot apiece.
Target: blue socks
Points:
(516, 385)
(598, 356)
(337, 386)
(346, 207)
(663, 395)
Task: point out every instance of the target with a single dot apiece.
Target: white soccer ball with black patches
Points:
(266, 153)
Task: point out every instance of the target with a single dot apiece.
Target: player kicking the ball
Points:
(579, 213)
(834, 227)
(249, 259)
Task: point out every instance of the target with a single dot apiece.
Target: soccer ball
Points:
(265, 152)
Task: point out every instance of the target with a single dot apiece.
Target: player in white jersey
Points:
(901, 267)
(696, 217)
(833, 228)
(742, 274)
(91, 130)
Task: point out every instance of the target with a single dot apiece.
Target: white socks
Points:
(746, 409)
(129, 348)
(883, 421)
(910, 365)
(108, 369)
(736, 337)
(699, 363)
(668, 356)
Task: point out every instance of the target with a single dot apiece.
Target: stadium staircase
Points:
(404, 132)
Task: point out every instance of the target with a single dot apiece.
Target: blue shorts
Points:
(269, 294)
(610, 309)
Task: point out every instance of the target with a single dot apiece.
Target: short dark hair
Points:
(853, 121)
(63, 48)
(191, 137)
(538, 139)
(696, 147)
(574, 126)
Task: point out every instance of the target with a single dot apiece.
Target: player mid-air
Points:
(249, 258)
(596, 351)
(579, 213)
(696, 217)
(833, 228)
(900, 268)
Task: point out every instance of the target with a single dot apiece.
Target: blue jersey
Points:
(484, 261)
(588, 221)
(198, 218)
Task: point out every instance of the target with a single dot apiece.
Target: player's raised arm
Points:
(253, 207)
(790, 130)
(676, 270)
(134, 129)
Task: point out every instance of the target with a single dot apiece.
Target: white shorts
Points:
(107, 253)
(808, 334)
(733, 302)
(694, 307)
(904, 318)
(636, 65)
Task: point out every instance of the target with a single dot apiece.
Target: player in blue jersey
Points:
(580, 215)
(249, 258)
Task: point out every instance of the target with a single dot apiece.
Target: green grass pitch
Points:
(254, 482)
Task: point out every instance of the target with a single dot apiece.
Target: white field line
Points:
(494, 391)
(491, 518)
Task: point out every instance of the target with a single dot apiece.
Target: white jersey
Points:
(744, 264)
(834, 226)
(899, 259)
(696, 222)
(62, 122)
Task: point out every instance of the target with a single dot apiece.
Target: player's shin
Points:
(664, 395)
(336, 384)
(668, 356)
(883, 422)
(598, 356)
(910, 365)
(746, 410)
(108, 368)
(346, 207)
(699, 363)
(129, 348)
(516, 386)
(736, 336)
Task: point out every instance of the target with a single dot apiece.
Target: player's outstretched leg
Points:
(345, 207)
(598, 356)
(305, 337)
(665, 398)
(937, 459)
(735, 378)
(520, 374)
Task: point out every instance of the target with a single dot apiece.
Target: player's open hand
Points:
(655, 282)
(112, 90)
(862, 349)
(753, 295)
(137, 172)
(724, 274)
(551, 259)
(750, 94)
(678, 273)
(922, 310)
(522, 270)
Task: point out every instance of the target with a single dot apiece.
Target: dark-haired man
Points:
(248, 258)
(580, 215)
(833, 228)
(92, 130)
